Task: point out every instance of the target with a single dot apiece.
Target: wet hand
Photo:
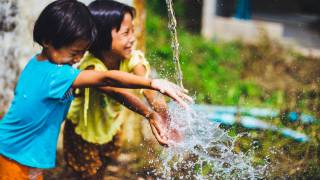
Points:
(172, 90)
(162, 131)
(157, 128)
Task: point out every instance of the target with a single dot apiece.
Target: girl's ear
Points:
(114, 32)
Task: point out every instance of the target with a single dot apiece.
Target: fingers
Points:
(156, 132)
(181, 92)
(177, 98)
(175, 86)
(184, 96)
(172, 90)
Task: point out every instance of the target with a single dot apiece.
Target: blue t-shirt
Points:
(29, 131)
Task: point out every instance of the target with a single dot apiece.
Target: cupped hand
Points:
(162, 131)
(158, 129)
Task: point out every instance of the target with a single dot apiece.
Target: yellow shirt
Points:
(96, 116)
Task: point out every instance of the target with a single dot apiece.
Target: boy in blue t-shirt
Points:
(29, 131)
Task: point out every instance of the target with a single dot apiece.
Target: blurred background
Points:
(256, 61)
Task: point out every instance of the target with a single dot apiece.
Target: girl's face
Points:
(123, 40)
(70, 54)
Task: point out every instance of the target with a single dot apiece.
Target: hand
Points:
(165, 117)
(173, 134)
(172, 90)
(161, 129)
(157, 129)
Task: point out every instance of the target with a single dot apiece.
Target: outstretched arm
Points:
(135, 104)
(91, 78)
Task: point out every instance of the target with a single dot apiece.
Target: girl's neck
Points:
(111, 60)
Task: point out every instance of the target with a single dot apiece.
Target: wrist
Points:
(157, 84)
(149, 114)
(151, 83)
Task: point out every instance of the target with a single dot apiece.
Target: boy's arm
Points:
(133, 103)
(91, 78)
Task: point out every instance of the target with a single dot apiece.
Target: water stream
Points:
(174, 42)
(206, 151)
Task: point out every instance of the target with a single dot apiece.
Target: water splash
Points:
(174, 41)
(207, 151)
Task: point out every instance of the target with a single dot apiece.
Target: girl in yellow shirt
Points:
(96, 116)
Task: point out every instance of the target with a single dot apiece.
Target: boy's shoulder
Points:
(45, 65)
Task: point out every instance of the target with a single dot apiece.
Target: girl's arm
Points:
(133, 103)
(91, 78)
(159, 105)
(156, 101)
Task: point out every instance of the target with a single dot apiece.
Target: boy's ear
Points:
(45, 44)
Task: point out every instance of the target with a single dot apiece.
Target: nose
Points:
(132, 39)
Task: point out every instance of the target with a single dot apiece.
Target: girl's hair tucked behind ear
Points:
(107, 15)
(63, 22)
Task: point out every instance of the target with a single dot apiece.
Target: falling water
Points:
(206, 151)
(174, 41)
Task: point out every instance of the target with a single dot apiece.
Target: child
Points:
(91, 133)
(29, 131)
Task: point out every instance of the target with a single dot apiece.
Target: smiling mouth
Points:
(128, 48)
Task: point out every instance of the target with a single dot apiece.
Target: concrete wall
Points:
(290, 29)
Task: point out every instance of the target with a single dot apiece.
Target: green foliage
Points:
(211, 70)
(223, 73)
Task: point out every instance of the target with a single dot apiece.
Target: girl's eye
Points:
(126, 33)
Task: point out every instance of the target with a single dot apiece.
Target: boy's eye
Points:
(73, 54)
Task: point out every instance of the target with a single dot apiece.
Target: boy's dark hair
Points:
(107, 15)
(63, 22)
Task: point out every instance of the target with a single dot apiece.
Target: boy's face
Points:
(123, 40)
(70, 54)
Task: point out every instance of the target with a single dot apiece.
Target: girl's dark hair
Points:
(107, 15)
(63, 22)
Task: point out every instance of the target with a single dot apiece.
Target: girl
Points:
(91, 133)
(29, 131)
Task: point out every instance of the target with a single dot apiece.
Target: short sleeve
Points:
(138, 58)
(61, 80)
